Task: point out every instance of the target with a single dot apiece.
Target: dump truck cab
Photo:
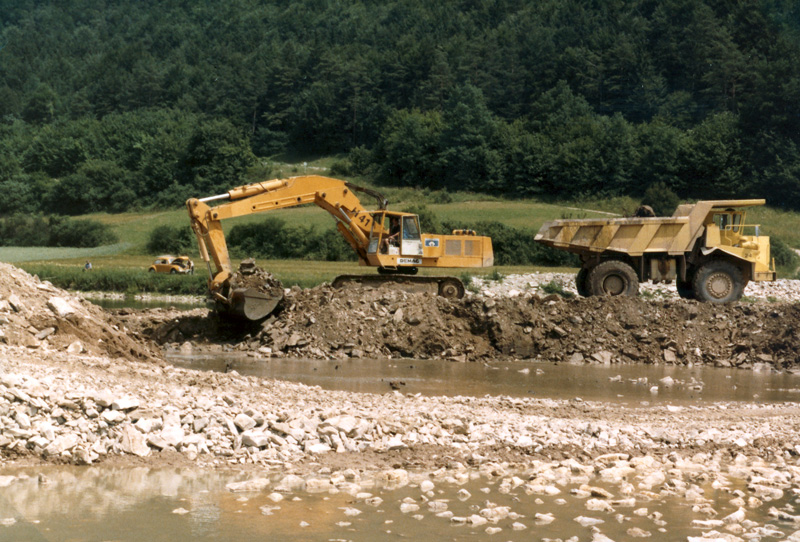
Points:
(708, 248)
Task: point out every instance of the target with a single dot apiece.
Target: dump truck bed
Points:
(673, 235)
(632, 236)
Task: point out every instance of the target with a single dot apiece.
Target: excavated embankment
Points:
(336, 324)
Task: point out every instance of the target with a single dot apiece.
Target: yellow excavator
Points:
(390, 241)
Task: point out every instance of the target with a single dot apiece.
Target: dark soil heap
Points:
(377, 323)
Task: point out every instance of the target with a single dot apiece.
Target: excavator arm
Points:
(334, 195)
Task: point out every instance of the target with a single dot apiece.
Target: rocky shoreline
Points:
(95, 390)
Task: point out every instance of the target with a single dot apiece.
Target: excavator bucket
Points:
(252, 304)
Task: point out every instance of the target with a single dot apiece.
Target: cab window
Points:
(410, 228)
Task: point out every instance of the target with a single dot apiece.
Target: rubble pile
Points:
(327, 323)
(37, 315)
(81, 409)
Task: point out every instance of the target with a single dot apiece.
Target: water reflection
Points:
(656, 384)
(70, 503)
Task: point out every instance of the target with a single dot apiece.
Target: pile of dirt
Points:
(251, 276)
(328, 323)
(37, 315)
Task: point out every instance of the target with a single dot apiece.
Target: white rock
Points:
(61, 444)
(59, 306)
(736, 517)
(588, 522)
(134, 442)
(253, 437)
(317, 448)
(172, 434)
(256, 484)
(244, 422)
(112, 417)
(477, 520)
(125, 403)
(350, 511)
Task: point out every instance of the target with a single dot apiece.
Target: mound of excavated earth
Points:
(37, 315)
(327, 323)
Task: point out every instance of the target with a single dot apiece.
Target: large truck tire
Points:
(613, 277)
(581, 283)
(718, 281)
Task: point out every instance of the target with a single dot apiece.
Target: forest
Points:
(115, 106)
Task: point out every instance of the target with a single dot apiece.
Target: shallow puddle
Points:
(69, 503)
(619, 383)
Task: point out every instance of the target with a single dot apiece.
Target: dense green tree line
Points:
(110, 105)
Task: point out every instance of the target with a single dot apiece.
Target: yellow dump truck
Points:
(707, 248)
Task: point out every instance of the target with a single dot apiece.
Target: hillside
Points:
(110, 107)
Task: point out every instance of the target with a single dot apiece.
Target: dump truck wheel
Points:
(613, 278)
(581, 284)
(685, 289)
(718, 282)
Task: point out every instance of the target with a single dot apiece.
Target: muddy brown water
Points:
(69, 503)
(615, 383)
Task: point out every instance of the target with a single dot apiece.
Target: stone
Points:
(255, 484)
(125, 403)
(103, 398)
(112, 417)
(256, 438)
(60, 306)
(134, 442)
(343, 424)
(244, 422)
(15, 304)
(61, 444)
(588, 522)
(172, 434)
(46, 332)
(317, 448)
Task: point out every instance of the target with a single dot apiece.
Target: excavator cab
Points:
(395, 234)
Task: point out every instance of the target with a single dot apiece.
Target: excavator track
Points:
(448, 287)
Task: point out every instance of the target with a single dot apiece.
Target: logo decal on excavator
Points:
(431, 242)
(414, 261)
